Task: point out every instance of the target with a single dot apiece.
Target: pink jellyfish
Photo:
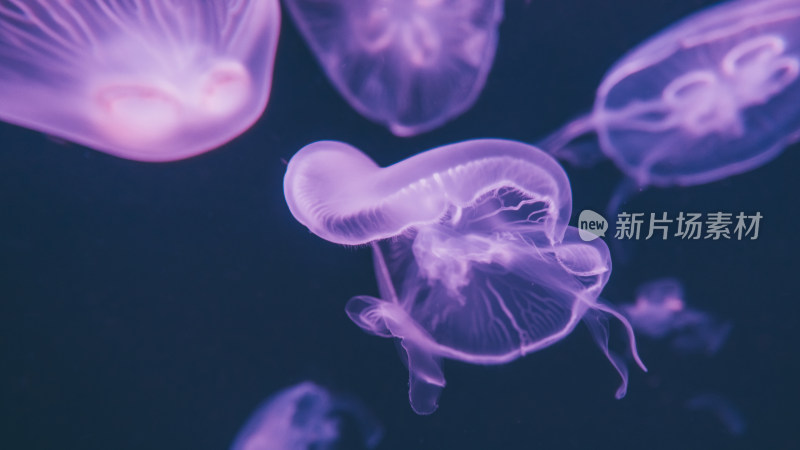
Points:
(150, 80)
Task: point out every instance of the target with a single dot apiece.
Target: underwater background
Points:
(154, 306)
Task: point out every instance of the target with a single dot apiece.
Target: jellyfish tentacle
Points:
(628, 330)
(556, 143)
(426, 379)
(598, 327)
(385, 286)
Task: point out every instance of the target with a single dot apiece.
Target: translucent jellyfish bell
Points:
(307, 417)
(477, 262)
(409, 64)
(342, 196)
(714, 95)
(150, 80)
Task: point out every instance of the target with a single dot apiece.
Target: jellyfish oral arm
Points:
(385, 286)
(628, 330)
(557, 143)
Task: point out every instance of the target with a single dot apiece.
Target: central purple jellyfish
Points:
(476, 260)
(149, 80)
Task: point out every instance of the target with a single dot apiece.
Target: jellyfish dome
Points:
(714, 95)
(149, 80)
(308, 417)
(474, 258)
(412, 64)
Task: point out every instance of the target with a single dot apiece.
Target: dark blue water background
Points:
(153, 306)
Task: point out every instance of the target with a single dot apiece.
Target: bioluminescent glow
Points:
(475, 262)
(307, 417)
(660, 312)
(411, 65)
(150, 80)
(712, 96)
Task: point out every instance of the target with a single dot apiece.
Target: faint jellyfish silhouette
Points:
(150, 80)
(308, 417)
(660, 312)
(411, 65)
(722, 408)
(714, 95)
(477, 261)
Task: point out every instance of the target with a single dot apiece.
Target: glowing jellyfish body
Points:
(412, 64)
(712, 96)
(660, 312)
(150, 80)
(307, 417)
(477, 261)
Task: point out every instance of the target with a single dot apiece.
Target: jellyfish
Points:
(308, 417)
(473, 254)
(714, 95)
(660, 312)
(411, 65)
(148, 80)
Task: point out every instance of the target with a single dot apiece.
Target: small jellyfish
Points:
(149, 80)
(412, 64)
(308, 417)
(714, 95)
(660, 312)
(474, 258)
